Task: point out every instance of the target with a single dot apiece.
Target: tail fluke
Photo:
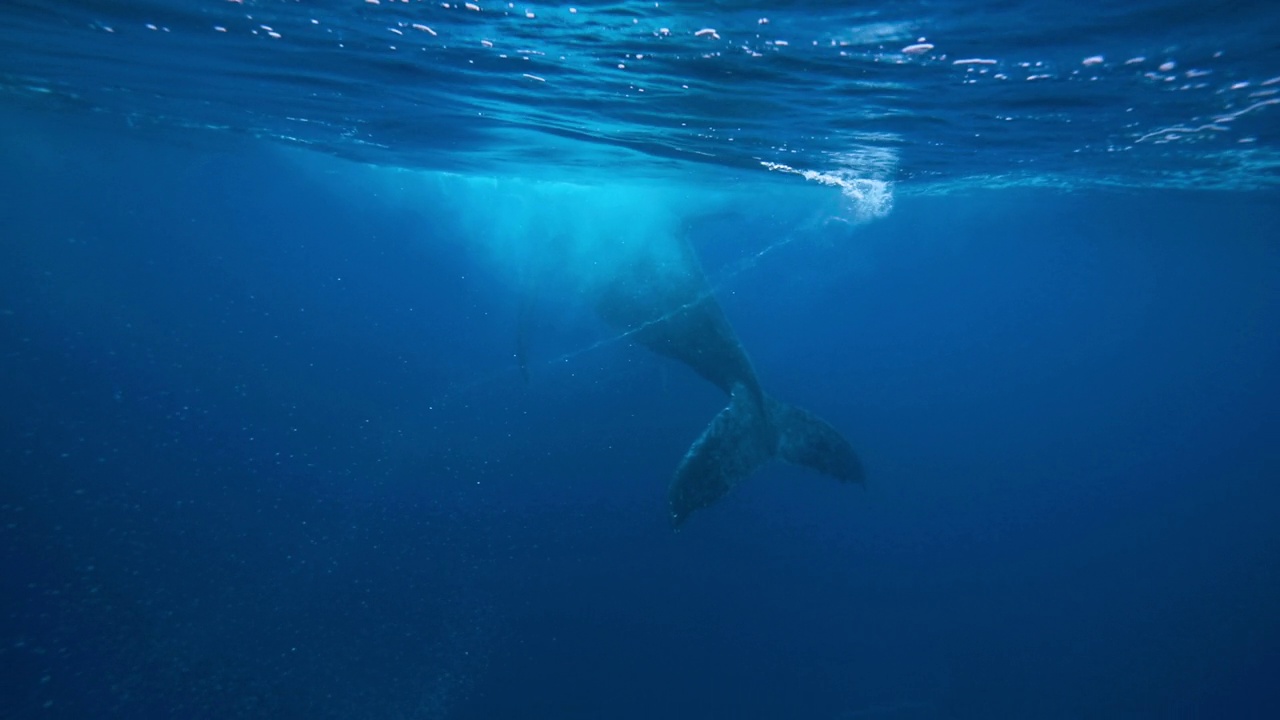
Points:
(746, 435)
(808, 440)
(738, 441)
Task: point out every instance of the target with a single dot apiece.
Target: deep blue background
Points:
(266, 454)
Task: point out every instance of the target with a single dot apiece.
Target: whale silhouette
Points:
(663, 301)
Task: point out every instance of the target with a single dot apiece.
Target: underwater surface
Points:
(353, 355)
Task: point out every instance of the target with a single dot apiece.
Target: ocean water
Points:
(308, 408)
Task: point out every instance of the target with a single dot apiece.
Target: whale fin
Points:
(661, 299)
(808, 440)
(742, 437)
(738, 441)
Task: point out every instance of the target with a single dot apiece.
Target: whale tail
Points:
(808, 440)
(745, 435)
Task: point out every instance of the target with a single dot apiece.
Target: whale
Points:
(664, 302)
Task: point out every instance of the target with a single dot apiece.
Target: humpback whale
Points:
(663, 301)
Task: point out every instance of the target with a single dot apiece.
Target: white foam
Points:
(867, 198)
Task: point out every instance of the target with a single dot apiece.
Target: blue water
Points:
(305, 411)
